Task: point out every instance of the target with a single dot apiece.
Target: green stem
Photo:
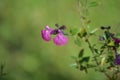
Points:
(80, 13)
(92, 50)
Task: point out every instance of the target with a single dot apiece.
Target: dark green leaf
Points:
(81, 53)
(107, 35)
(102, 48)
(83, 68)
(84, 60)
(93, 4)
(97, 51)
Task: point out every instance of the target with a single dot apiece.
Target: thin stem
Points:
(80, 13)
(83, 25)
(92, 50)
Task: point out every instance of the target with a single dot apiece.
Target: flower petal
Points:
(46, 34)
(60, 39)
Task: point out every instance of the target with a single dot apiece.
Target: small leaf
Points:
(107, 35)
(81, 53)
(84, 60)
(74, 31)
(103, 61)
(82, 33)
(93, 31)
(93, 4)
(77, 42)
(83, 68)
(111, 43)
(97, 51)
(74, 65)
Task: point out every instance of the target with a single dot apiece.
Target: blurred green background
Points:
(24, 53)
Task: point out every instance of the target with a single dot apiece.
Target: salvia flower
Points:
(59, 39)
(46, 34)
(117, 59)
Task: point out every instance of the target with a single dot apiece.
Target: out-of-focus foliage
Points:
(26, 56)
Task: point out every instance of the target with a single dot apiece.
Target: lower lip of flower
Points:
(60, 39)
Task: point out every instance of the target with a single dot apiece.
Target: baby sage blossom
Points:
(59, 39)
(46, 34)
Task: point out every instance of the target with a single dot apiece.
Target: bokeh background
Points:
(24, 53)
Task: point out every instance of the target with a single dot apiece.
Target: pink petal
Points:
(60, 39)
(48, 28)
(46, 34)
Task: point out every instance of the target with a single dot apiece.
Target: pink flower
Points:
(60, 39)
(46, 34)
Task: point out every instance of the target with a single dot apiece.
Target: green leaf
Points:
(93, 31)
(77, 41)
(82, 33)
(97, 51)
(111, 43)
(107, 35)
(81, 53)
(84, 60)
(74, 65)
(74, 31)
(103, 60)
(93, 4)
(83, 68)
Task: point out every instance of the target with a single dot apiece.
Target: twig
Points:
(92, 50)
(80, 13)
